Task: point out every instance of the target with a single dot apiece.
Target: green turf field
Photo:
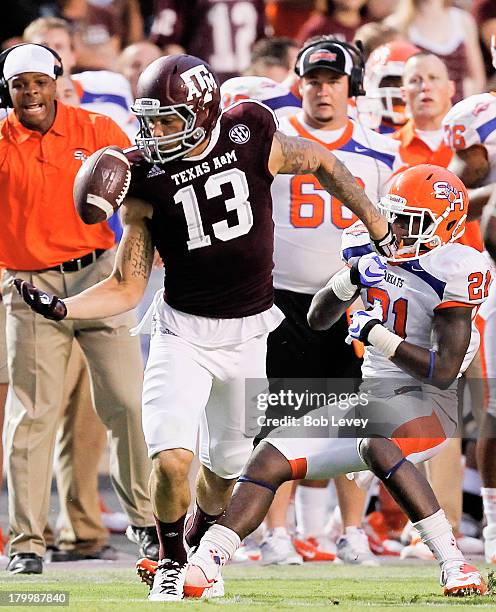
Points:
(310, 587)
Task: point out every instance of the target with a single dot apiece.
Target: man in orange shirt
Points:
(428, 91)
(42, 146)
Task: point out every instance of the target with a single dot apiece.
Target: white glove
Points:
(386, 246)
(362, 322)
(369, 270)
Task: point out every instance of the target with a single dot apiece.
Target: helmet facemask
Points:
(423, 226)
(158, 149)
(390, 96)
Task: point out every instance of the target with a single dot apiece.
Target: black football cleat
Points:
(25, 563)
(106, 553)
(147, 540)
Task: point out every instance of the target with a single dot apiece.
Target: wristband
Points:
(342, 286)
(384, 340)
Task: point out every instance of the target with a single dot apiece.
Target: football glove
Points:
(386, 246)
(46, 304)
(368, 270)
(362, 321)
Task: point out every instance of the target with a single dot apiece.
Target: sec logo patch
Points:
(239, 133)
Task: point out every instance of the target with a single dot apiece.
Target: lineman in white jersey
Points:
(308, 231)
(419, 337)
(470, 128)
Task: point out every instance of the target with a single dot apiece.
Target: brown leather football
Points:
(101, 184)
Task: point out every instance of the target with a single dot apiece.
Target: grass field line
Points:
(313, 586)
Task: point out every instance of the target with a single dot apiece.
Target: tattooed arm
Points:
(124, 288)
(292, 155)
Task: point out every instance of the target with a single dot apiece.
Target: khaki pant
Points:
(38, 355)
(81, 441)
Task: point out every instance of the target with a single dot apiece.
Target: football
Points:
(101, 184)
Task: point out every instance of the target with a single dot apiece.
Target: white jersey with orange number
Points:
(473, 121)
(308, 220)
(412, 291)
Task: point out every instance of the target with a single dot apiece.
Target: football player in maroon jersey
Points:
(200, 194)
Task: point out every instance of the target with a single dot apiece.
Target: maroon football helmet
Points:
(182, 86)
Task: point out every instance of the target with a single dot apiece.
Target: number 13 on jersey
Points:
(239, 203)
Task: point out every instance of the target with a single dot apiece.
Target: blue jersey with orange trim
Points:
(412, 291)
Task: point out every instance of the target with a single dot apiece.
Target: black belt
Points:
(74, 265)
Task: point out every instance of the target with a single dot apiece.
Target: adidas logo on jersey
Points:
(155, 171)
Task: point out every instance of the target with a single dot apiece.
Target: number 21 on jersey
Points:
(399, 309)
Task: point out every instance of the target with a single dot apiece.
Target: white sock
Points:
(352, 529)
(437, 534)
(311, 507)
(489, 501)
(472, 482)
(224, 541)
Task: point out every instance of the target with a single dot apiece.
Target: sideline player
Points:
(208, 211)
(419, 337)
(471, 131)
(382, 82)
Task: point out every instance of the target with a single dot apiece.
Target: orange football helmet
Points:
(434, 202)
(388, 62)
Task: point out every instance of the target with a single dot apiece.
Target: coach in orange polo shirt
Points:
(42, 145)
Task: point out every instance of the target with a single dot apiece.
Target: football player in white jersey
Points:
(471, 131)
(419, 337)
